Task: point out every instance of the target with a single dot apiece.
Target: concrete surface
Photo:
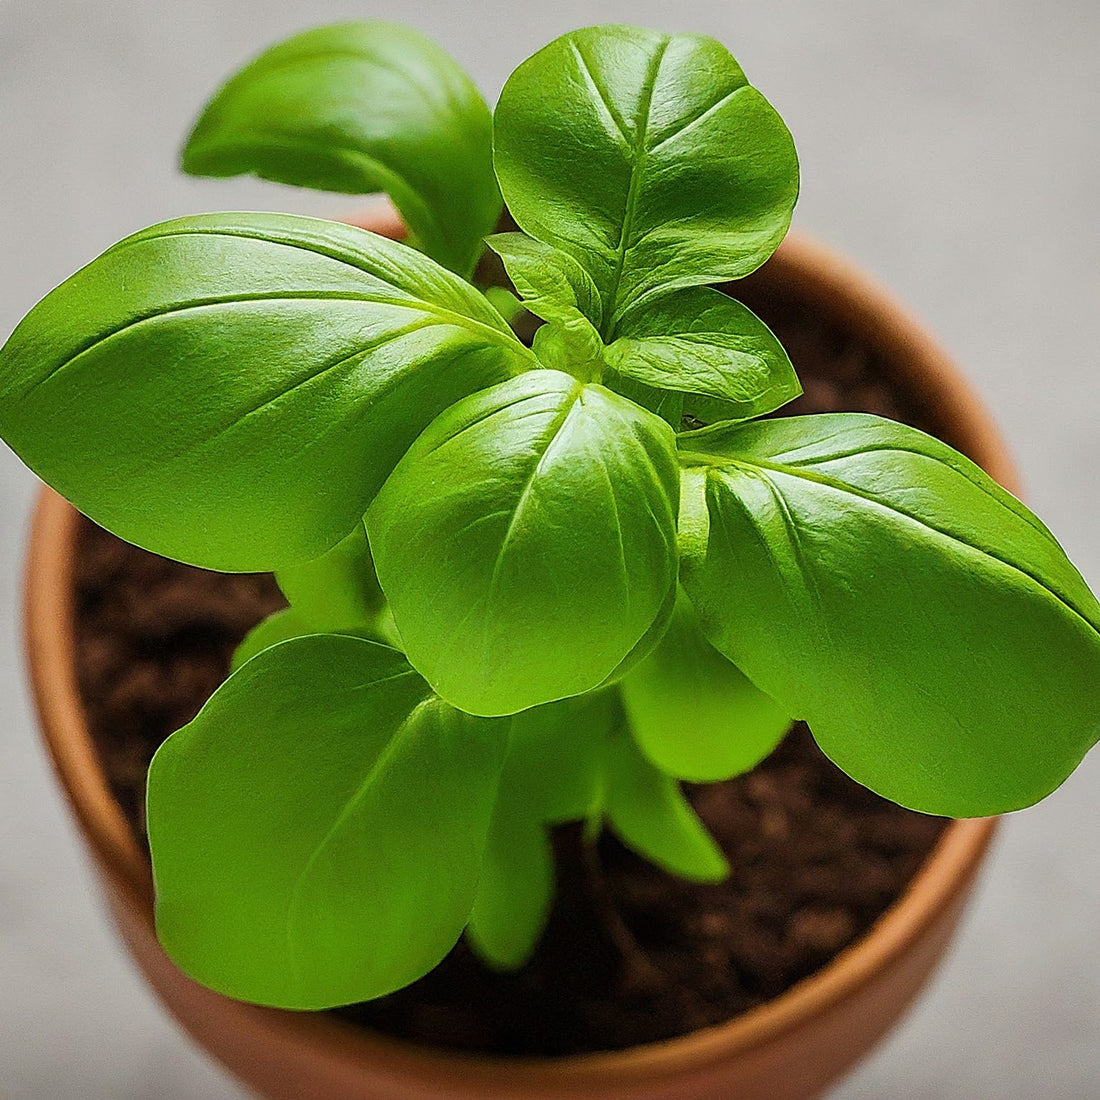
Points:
(953, 148)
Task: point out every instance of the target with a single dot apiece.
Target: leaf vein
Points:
(683, 128)
(618, 124)
(637, 171)
(844, 487)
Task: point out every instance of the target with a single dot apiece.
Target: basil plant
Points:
(519, 594)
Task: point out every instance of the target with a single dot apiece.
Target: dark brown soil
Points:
(630, 955)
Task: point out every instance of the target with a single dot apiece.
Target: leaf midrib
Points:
(377, 768)
(640, 153)
(445, 317)
(557, 423)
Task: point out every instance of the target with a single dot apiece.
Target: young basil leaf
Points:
(552, 773)
(575, 349)
(232, 389)
(551, 283)
(275, 816)
(878, 584)
(337, 590)
(556, 288)
(356, 108)
(702, 342)
(527, 540)
(648, 812)
(694, 714)
(648, 157)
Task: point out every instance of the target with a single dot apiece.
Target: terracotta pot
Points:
(794, 1046)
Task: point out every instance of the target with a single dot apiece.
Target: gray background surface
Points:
(952, 148)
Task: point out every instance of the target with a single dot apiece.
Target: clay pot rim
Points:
(839, 290)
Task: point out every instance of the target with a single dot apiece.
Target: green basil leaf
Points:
(694, 714)
(556, 288)
(356, 108)
(552, 774)
(876, 583)
(700, 341)
(648, 157)
(337, 590)
(527, 541)
(514, 892)
(647, 643)
(551, 283)
(287, 623)
(279, 626)
(575, 349)
(648, 812)
(317, 830)
(231, 390)
(555, 755)
(505, 303)
(667, 404)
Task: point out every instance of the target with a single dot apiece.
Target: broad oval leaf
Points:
(317, 830)
(702, 342)
(527, 541)
(694, 714)
(232, 389)
(648, 157)
(879, 585)
(356, 108)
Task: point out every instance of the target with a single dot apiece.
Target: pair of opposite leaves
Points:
(301, 361)
(858, 571)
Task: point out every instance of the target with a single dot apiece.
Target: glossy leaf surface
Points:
(693, 713)
(317, 830)
(232, 389)
(648, 157)
(527, 541)
(879, 585)
(552, 284)
(667, 404)
(700, 341)
(362, 107)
